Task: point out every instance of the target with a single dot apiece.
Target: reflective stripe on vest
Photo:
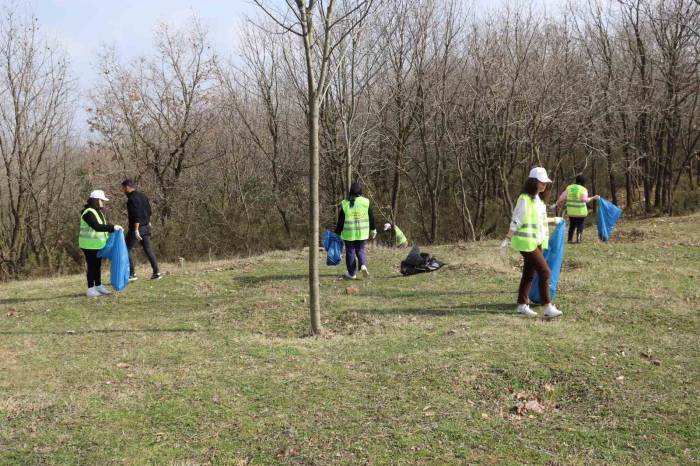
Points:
(575, 207)
(525, 237)
(356, 226)
(88, 237)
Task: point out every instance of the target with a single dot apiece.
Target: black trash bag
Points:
(419, 262)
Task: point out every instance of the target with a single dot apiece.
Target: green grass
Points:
(213, 365)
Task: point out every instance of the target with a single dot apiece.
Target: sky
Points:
(84, 27)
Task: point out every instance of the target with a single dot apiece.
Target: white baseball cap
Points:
(98, 194)
(387, 226)
(540, 174)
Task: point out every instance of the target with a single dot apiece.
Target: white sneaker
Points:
(93, 293)
(550, 311)
(365, 272)
(347, 276)
(525, 310)
(102, 290)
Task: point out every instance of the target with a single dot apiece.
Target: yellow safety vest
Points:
(90, 238)
(356, 227)
(525, 237)
(401, 239)
(575, 207)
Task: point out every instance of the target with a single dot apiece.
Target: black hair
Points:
(92, 204)
(128, 183)
(355, 190)
(531, 187)
(581, 179)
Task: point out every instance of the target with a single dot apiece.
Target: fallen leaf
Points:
(352, 291)
(534, 406)
(620, 378)
(287, 452)
(123, 365)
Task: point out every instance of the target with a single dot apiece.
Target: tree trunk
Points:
(314, 217)
(348, 168)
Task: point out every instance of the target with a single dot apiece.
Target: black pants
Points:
(147, 249)
(576, 225)
(94, 267)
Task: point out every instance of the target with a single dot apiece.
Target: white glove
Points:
(553, 206)
(373, 234)
(558, 220)
(138, 235)
(118, 228)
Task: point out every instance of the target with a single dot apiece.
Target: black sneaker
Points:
(156, 276)
(133, 278)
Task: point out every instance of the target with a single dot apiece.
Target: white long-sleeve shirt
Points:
(519, 217)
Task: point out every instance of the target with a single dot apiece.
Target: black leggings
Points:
(94, 267)
(576, 225)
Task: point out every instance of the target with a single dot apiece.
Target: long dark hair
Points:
(355, 192)
(92, 204)
(531, 187)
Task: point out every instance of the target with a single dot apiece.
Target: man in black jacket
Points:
(139, 212)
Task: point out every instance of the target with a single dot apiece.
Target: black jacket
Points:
(91, 220)
(341, 221)
(138, 209)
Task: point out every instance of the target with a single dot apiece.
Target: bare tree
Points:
(259, 102)
(320, 43)
(154, 114)
(36, 104)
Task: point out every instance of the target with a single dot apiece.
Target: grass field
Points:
(213, 365)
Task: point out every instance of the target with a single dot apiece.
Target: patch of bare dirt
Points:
(631, 236)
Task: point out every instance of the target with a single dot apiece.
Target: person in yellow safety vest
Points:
(576, 197)
(394, 237)
(529, 235)
(94, 231)
(355, 226)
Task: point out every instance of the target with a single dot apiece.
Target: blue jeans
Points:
(355, 249)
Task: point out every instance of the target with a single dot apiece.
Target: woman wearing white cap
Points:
(394, 237)
(529, 234)
(94, 231)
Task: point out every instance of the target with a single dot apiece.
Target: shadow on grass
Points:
(10, 301)
(99, 331)
(430, 293)
(257, 280)
(486, 308)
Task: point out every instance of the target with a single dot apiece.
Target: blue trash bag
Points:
(554, 255)
(334, 246)
(115, 250)
(608, 215)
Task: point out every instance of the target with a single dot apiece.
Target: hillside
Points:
(212, 365)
